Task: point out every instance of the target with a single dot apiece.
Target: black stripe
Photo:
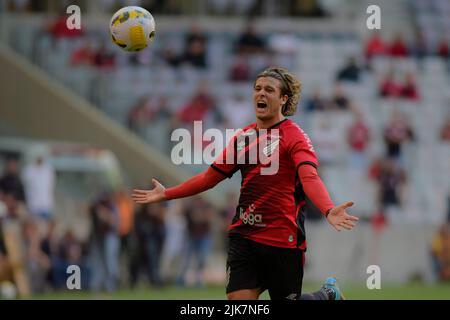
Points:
(235, 169)
(306, 162)
(278, 123)
(221, 171)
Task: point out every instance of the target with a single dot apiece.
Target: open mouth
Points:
(261, 105)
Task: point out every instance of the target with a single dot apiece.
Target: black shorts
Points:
(252, 265)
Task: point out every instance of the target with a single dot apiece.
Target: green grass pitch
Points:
(413, 291)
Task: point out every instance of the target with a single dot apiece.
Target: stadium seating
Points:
(318, 58)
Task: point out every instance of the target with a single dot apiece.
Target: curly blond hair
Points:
(290, 86)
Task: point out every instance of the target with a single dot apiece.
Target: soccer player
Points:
(267, 236)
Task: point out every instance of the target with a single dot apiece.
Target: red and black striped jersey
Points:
(271, 202)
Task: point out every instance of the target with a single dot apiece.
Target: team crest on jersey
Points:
(240, 145)
(273, 142)
(249, 133)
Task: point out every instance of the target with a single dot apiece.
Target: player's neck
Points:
(266, 124)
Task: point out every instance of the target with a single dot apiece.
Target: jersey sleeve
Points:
(301, 148)
(226, 163)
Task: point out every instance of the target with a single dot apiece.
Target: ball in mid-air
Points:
(132, 28)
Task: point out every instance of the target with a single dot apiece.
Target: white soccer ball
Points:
(132, 28)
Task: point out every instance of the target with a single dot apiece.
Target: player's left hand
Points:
(340, 219)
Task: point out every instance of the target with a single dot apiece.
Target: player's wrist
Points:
(166, 194)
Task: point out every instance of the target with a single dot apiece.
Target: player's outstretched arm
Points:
(157, 194)
(197, 184)
(316, 191)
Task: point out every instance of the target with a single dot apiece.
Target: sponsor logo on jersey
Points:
(250, 217)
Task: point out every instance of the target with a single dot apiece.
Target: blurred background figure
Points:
(195, 52)
(327, 142)
(104, 244)
(358, 137)
(391, 180)
(125, 208)
(104, 59)
(140, 115)
(316, 102)
(227, 215)
(39, 182)
(398, 47)
(83, 55)
(236, 111)
(397, 132)
(250, 42)
(11, 182)
(410, 90)
(389, 87)
(198, 241)
(445, 130)
(39, 263)
(440, 252)
(240, 69)
(150, 236)
(350, 72)
(174, 244)
(375, 46)
(339, 100)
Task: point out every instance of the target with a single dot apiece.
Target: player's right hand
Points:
(340, 219)
(157, 194)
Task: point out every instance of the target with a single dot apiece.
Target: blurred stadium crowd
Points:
(310, 8)
(124, 247)
(377, 109)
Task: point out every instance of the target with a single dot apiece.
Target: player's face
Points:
(267, 99)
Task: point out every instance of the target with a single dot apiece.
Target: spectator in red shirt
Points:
(443, 49)
(140, 115)
(198, 108)
(104, 59)
(409, 90)
(445, 131)
(58, 29)
(358, 137)
(240, 70)
(398, 48)
(375, 46)
(83, 55)
(389, 87)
